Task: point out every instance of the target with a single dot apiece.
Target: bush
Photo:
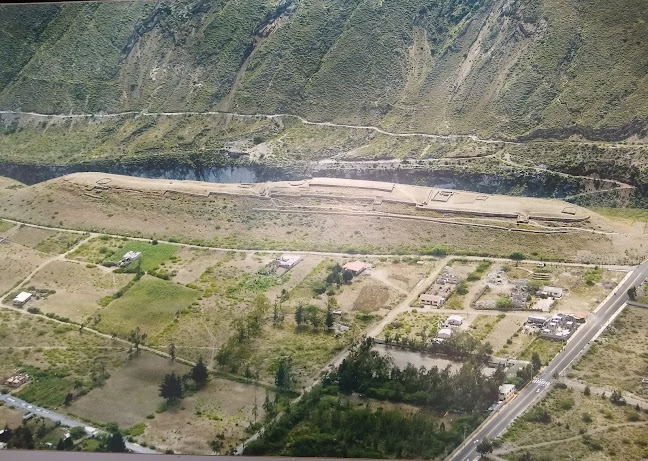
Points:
(34, 310)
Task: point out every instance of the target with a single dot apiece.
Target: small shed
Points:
(431, 300)
(553, 292)
(288, 261)
(129, 257)
(506, 391)
(455, 320)
(22, 298)
(444, 333)
(536, 319)
(356, 267)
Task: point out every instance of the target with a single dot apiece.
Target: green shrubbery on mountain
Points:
(491, 67)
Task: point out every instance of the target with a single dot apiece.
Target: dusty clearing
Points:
(78, 288)
(30, 236)
(194, 263)
(238, 222)
(16, 263)
(222, 407)
(130, 394)
(9, 417)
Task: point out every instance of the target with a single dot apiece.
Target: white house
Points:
(22, 298)
(431, 300)
(506, 391)
(129, 257)
(288, 261)
(455, 320)
(553, 292)
(444, 333)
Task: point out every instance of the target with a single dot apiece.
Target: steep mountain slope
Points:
(503, 68)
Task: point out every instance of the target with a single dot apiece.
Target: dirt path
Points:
(446, 137)
(504, 451)
(631, 399)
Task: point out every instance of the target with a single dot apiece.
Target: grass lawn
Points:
(97, 249)
(546, 349)
(150, 304)
(152, 255)
(632, 214)
(5, 225)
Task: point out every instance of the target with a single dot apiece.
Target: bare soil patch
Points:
(31, 236)
(78, 288)
(222, 407)
(130, 394)
(371, 298)
(10, 417)
(16, 263)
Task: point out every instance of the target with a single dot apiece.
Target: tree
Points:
(68, 398)
(283, 377)
(526, 456)
(587, 390)
(617, 398)
(299, 315)
(21, 438)
(329, 319)
(536, 362)
(136, 337)
(116, 443)
(503, 303)
(268, 406)
(68, 444)
(98, 374)
(172, 351)
(632, 293)
(484, 447)
(347, 276)
(199, 373)
(517, 256)
(171, 387)
(60, 446)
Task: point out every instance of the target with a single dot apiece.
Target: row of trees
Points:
(461, 345)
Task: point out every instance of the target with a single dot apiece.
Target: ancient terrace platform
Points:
(422, 198)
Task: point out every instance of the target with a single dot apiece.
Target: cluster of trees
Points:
(526, 374)
(461, 345)
(18, 438)
(368, 372)
(173, 385)
(236, 351)
(337, 276)
(313, 315)
(326, 423)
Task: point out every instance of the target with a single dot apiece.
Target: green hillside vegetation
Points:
(484, 66)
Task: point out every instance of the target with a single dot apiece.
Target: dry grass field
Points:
(618, 359)
(223, 407)
(413, 325)
(577, 427)
(78, 288)
(130, 394)
(237, 223)
(16, 263)
(59, 350)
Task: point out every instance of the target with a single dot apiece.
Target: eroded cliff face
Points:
(503, 68)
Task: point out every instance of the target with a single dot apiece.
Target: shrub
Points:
(34, 310)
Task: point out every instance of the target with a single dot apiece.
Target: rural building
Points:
(17, 380)
(357, 267)
(444, 333)
(536, 319)
(455, 320)
(431, 300)
(553, 292)
(129, 257)
(288, 261)
(22, 298)
(506, 391)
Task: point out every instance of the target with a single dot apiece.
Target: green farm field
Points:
(149, 304)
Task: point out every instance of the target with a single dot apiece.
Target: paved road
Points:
(597, 322)
(26, 407)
